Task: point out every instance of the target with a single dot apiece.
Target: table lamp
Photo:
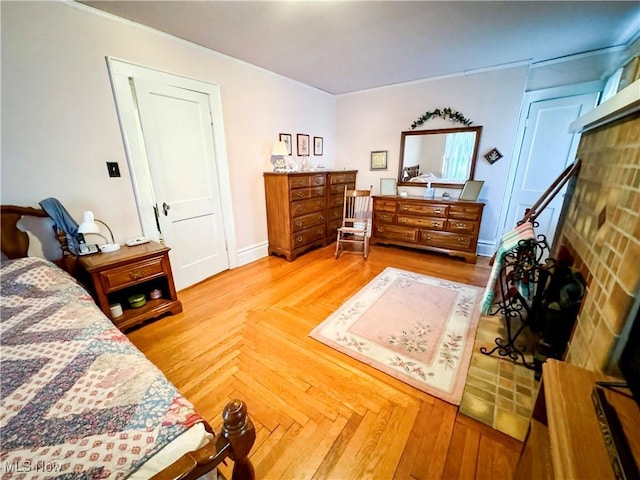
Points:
(89, 225)
(278, 152)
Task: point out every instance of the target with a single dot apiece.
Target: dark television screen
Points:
(629, 362)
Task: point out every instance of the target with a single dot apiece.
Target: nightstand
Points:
(117, 275)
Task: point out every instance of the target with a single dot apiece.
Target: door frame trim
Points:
(529, 98)
(119, 72)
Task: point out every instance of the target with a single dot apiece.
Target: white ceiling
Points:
(346, 46)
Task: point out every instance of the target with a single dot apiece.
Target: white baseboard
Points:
(260, 250)
(486, 248)
(252, 253)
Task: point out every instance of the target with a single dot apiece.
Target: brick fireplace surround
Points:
(601, 232)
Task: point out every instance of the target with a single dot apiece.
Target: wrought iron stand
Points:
(522, 280)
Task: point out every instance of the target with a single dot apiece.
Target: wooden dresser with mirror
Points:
(304, 209)
(445, 226)
(444, 158)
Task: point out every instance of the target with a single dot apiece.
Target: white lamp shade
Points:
(88, 224)
(279, 148)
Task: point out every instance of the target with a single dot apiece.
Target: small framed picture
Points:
(379, 160)
(388, 186)
(493, 156)
(286, 138)
(303, 144)
(317, 146)
(471, 190)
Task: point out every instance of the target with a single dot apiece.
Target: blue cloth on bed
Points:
(63, 221)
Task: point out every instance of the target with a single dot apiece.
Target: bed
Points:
(78, 399)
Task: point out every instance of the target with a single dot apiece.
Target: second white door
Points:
(547, 149)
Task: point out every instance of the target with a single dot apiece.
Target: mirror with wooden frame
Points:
(444, 157)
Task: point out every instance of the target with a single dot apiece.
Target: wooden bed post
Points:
(235, 441)
(239, 432)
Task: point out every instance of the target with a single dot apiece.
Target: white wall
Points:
(373, 120)
(59, 123)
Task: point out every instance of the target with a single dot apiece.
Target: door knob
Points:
(165, 208)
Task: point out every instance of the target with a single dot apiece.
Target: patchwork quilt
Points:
(77, 399)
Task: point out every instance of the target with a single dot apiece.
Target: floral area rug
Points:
(416, 328)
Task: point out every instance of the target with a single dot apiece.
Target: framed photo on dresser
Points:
(388, 186)
(471, 190)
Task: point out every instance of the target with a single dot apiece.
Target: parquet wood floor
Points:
(318, 413)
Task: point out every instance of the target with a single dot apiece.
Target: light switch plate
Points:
(114, 169)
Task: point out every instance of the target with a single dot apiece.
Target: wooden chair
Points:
(356, 217)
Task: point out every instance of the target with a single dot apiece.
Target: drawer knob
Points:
(299, 194)
(404, 220)
(298, 239)
(299, 224)
(404, 207)
(321, 217)
(136, 274)
(461, 240)
(437, 210)
(299, 208)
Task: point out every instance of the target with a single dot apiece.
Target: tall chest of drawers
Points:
(336, 183)
(446, 226)
(304, 209)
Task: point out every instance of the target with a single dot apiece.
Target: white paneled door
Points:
(547, 149)
(172, 128)
(176, 126)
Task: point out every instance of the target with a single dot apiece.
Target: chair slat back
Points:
(357, 207)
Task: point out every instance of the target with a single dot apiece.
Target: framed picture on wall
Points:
(303, 144)
(493, 156)
(286, 138)
(317, 146)
(379, 160)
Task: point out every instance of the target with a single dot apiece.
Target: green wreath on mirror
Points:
(446, 113)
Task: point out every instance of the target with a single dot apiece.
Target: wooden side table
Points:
(565, 439)
(133, 270)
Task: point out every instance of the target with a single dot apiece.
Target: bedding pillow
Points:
(410, 172)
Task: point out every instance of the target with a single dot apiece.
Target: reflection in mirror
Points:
(444, 157)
